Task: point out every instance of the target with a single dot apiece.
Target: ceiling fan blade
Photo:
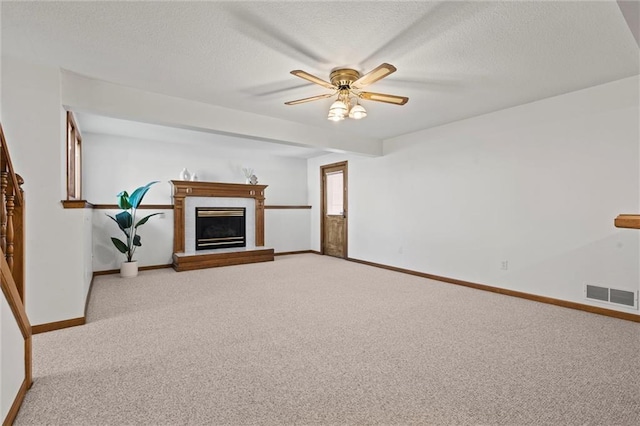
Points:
(313, 98)
(381, 97)
(312, 78)
(374, 75)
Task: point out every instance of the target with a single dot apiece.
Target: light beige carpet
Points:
(310, 339)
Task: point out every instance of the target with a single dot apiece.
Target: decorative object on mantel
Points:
(194, 177)
(184, 174)
(248, 173)
(253, 180)
(126, 221)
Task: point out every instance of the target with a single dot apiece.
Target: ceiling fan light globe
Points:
(357, 112)
(338, 107)
(335, 117)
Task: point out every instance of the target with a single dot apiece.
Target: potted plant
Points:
(126, 221)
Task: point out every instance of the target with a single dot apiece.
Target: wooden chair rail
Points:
(84, 204)
(627, 221)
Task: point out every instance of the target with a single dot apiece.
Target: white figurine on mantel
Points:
(248, 173)
(184, 174)
(253, 180)
(194, 177)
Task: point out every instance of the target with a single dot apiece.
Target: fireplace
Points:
(188, 195)
(220, 227)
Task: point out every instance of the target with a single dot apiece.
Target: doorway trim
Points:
(345, 168)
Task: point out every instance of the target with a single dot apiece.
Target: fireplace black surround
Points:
(220, 227)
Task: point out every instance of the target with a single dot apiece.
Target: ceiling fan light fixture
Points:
(337, 111)
(357, 112)
(348, 84)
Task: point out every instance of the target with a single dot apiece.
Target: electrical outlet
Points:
(504, 265)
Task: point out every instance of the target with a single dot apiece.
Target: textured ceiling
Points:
(455, 59)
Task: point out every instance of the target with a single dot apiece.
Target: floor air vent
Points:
(612, 295)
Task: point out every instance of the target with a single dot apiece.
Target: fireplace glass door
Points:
(220, 227)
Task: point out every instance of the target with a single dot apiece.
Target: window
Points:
(335, 193)
(74, 159)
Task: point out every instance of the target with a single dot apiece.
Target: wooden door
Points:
(333, 226)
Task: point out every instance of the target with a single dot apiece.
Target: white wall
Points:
(287, 230)
(114, 163)
(537, 185)
(57, 268)
(11, 358)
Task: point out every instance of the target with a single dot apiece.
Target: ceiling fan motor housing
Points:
(344, 77)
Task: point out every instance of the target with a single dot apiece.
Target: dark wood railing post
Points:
(19, 246)
(10, 230)
(4, 181)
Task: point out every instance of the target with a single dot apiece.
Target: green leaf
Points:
(123, 200)
(145, 219)
(120, 245)
(123, 230)
(136, 197)
(136, 241)
(124, 220)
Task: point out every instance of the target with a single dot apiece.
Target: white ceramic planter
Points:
(129, 269)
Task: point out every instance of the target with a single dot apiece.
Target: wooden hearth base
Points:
(185, 262)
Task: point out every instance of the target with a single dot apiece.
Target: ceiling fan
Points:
(347, 84)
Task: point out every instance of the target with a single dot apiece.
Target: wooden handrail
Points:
(12, 216)
(10, 291)
(12, 264)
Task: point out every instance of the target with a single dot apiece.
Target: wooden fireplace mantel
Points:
(183, 189)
